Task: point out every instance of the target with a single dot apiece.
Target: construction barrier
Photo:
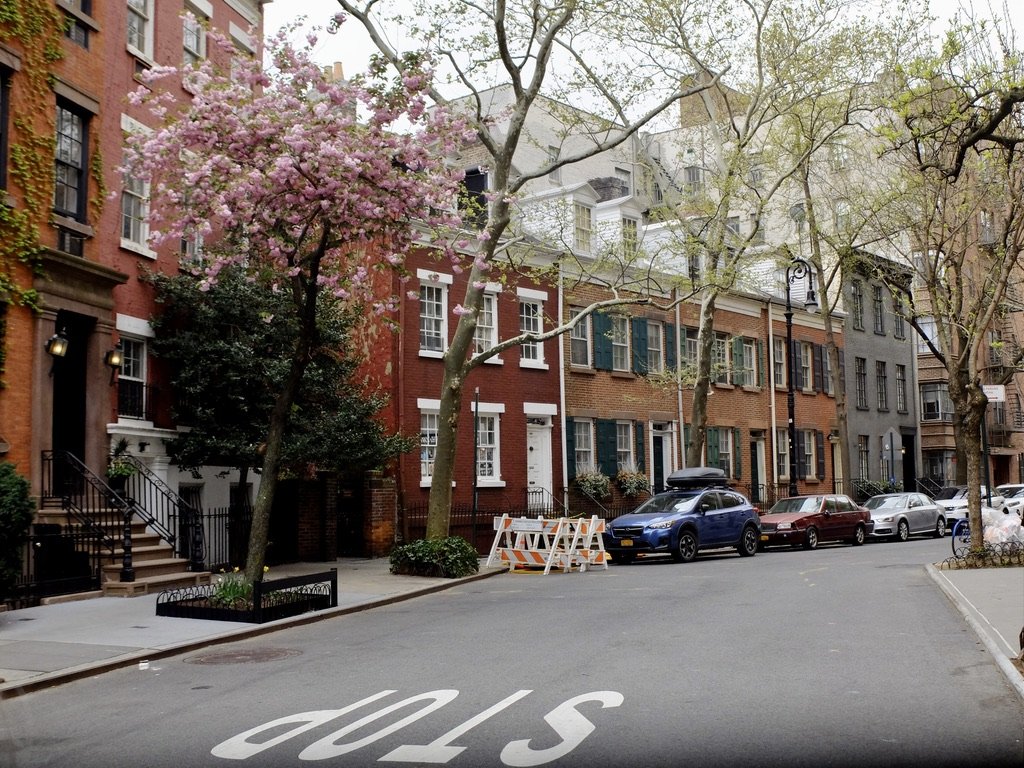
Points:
(565, 542)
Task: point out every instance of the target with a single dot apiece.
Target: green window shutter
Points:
(819, 449)
(638, 437)
(737, 361)
(670, 347)
(737, 453)
(639, 344)
(760, 363)
(801, 457)
(570, 449)
(607, 448)
(602, 341)
(816, 363)
(712, 446)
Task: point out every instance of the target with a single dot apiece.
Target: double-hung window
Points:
(806, 350)
(131, 381)
(433, 313)
(69, 192)
(583, 434)
(630, 238)
(878, 303)
(579, 340)
(620, 343)
(194, 33)
(860, 372)
(140, 28)
(857, 305)
(134, 210)
(429, 423)
(486, 334)
(655, 356)
(583, 227)
(863, 457)
(826, 373)
(901, 388)
(782, 453)
(780, 361)
(624, 446)
(531, 320)
(720, 359)
(488, 465)
(882, 384)
(748, 376)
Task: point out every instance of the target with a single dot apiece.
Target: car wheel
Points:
(858, 536)
(940, 528)
(623, 559)
(902, 531)
(749, 542)
(686, 547)
(811, 538)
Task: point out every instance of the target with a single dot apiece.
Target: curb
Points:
(1013, 676)
(71, 674)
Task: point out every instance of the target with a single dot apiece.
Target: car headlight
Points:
(662, 524)
(783, 526)
(887, 519)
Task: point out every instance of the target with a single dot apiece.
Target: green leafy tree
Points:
(227, 348)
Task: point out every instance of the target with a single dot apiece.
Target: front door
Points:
(538, 463)
(661, 455)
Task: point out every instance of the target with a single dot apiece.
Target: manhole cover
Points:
(253, 656)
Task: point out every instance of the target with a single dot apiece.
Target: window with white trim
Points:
(780, 361)
(134, 210)
(630, 236)
(809, 453)
(486, 334)
(624, 446)
(806, 365)
(655, 348)
(531, 320)
(928, 332)
(433, 309)
(131, 380)
(579, 340)
(487, 455)
(71, 161)
(583, 432)
(429, 422)
(826, 373)
(620, 343)
(693, 179)
(193, 36)
(583, 227)
(720, 358)
(140, 28)
(782, 454)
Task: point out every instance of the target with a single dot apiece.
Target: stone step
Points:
(147, 585)
(145, 568)
(155, 551)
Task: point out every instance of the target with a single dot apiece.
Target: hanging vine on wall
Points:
(39, 28)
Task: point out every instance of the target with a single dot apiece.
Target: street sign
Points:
(996, 393)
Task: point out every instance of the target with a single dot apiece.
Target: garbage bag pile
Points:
(1001, 527)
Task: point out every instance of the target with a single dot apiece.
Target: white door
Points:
(538, 464)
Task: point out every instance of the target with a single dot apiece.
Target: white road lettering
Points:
(327, 747)
(441, 750)
(239, 747)
(568, 723)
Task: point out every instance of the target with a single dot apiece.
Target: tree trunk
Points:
(702, 387)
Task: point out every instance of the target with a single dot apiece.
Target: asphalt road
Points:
(842, 657)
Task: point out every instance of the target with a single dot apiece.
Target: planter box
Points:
(272, 600)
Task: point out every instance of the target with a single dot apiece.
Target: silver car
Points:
(898, 516)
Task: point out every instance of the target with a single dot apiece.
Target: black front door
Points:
(70, 392)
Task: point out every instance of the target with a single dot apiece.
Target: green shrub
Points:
(451, 558)
(16, 511)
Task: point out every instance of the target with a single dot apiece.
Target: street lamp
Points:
(797, 269)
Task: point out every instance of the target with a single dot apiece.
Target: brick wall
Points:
(380, 514)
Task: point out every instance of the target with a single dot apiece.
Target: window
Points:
(131, 381)
(720, 359)
(720, 449)
(878, 305)
(901, 388)
(899, 321)
(69, 193)
(625, 179)
(191, 254)
(807, 456)
(779, 361)
(140, 28)
(624, 446)
(863, 457)
(487, 455)
(620, 343)
(531, 321)
(935, 402)
(857, 305)
(473, 198)
(433, 313)
(732, 225)
(629, 237)
(583, 219)
(840, 154)
(556, 173)
(655, 359)
(134, 210)
(928, 332)
(690, 347)
(826, 373)
(693, 180)
(882, 383)
(579, 340)
(986, 228)
(428, 444)
(193, 37)
(860, 368)
(76, 27)
(747, 375)
(806, 351)
(781, 453)
(583, 431)
(842, 214)
(486, 334)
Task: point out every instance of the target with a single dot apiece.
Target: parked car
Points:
(808, 520)
(953, 501)
(1013, 496)
(700, 511)
(901, 515)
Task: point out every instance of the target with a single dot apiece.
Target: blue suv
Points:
(700, 512)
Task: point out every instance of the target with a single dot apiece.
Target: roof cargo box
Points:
(697, 477)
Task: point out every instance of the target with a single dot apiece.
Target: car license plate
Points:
(626, 543)
(764, 537)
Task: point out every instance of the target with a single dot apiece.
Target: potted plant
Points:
(119, 466)
(632, 482)
(594, 483)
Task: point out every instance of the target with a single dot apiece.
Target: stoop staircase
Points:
(126, 541)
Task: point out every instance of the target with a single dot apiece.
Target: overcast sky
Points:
(353, 49)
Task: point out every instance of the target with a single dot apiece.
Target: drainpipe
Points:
(678, 438)
(771, 390)
(561, 389)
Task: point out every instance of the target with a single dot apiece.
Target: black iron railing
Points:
(136, 400)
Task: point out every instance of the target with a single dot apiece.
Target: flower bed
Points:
(271, 600)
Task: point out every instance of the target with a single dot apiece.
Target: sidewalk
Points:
(57, 643)
(63, 641)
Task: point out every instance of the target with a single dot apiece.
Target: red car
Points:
(807, 520)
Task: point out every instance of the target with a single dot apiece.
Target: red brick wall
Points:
(380, 514)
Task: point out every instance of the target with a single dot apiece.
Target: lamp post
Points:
(797, 269)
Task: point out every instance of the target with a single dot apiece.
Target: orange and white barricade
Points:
(526, 542)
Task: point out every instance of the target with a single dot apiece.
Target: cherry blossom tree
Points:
(302, 180)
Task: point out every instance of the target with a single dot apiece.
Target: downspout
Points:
(678, 438)
(771, 391)
(561, 389)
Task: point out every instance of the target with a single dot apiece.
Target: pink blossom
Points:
(458, 310)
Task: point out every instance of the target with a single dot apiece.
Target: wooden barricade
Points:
(526, 542)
